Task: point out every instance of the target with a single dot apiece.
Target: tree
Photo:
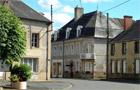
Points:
(12, 36)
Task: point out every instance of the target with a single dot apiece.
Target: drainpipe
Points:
(63, 58)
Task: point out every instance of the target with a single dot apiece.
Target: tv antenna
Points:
(80, 3)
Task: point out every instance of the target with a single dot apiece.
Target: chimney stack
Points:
(127, 22)
(79, 11)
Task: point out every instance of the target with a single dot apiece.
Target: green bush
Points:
(23, 71)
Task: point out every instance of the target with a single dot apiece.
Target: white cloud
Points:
(46, 3)
(95, 1)
(62, 18)
(59, 18)
(68, 9)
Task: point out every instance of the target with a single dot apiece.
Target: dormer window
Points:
(68, 33)
(79, 29)
(56, 35)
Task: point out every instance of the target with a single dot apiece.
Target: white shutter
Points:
(124, 66)
(137, 66)
(119, 68)
(113, 66)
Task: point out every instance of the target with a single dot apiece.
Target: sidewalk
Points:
(41, 85)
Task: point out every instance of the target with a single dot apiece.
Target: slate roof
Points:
(94, 24)
(133, 33)
(23, 11)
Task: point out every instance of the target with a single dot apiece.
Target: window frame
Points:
(28, 63)
(124, 48)
(35, 40)
(136, 47)
(112, 49)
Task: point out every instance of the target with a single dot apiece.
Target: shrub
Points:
(23, 71)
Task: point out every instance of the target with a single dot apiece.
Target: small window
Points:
(112, 49)
(35, 40)
(56, 35)
(79, 29)
(137, 47)
(68, 33)
(124, 49)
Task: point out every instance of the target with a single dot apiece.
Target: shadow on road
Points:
(123, 81)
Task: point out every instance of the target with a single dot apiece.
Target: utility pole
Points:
(51, 17)
(107, 46)
(48, 48)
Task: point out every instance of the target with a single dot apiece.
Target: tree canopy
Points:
(12, 36)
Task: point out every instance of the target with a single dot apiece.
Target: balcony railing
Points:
(87, 56)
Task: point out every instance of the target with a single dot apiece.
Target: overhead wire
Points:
(117, 5)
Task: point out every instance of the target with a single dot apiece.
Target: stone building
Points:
(38, 36)
(124, 58)
(79, 47)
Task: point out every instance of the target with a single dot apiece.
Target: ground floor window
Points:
(88, 66)
(137, 66)
(57, 68)
(33, 62)
(54, 68)
(77, 66)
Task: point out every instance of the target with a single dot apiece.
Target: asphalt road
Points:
(99, 85)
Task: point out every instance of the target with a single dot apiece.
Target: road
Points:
(99, 85)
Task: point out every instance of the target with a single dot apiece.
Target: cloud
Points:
(68, 9)
(59, 18)
(62, 18)
(95, 1)
(46, 3)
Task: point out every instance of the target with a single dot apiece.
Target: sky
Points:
(63, 10)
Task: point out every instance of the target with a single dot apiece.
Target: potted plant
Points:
(14, 79)
(23, 72)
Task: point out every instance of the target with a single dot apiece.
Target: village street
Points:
(99, 85)
(76, 84)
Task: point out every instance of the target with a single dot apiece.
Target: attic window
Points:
(68, 33)
(56, 35)
(79, 29)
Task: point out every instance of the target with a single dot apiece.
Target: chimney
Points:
(78, 12)
(127, 22)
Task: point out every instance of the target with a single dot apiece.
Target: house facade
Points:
(79, 47)
(38, 52)
(124, 57)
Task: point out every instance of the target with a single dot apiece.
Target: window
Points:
(31, 62)
(137, 66)
(112, 49)
(68, 33)
(35, 40)
(88, 66)
(123, 66)
(137, 47)
(79, 28)
(124, 48)
(56, 34)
